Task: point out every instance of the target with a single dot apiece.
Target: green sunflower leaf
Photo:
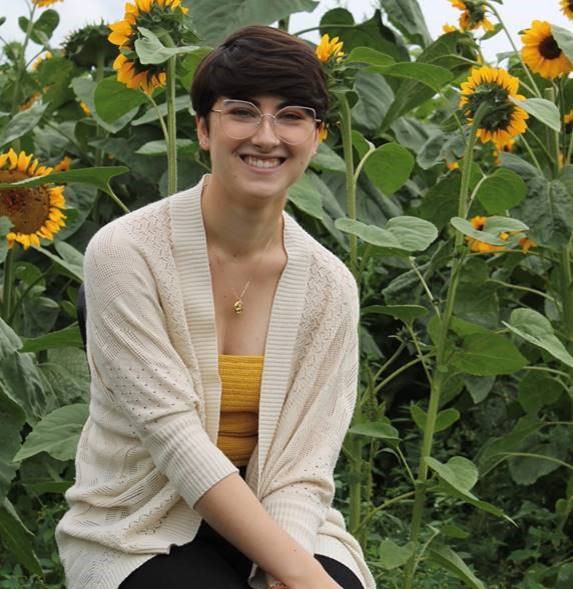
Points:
(450, 560)
(564, 38)
(537, 330)
(543, 110)
(389, 167)
(98, 177)
(501, 191)
(151, 50)
(370, 56)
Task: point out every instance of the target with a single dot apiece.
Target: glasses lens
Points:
(292, 124)
(239, 119)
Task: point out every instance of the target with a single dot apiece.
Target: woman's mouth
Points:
(262, 163)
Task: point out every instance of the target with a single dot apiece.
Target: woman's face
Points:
(262, 166)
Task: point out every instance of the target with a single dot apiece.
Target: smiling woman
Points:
(223, 344)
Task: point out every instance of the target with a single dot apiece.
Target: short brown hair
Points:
(260, 60)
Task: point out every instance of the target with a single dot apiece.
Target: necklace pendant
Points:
(238, 306)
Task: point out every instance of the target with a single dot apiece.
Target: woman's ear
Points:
(202, 132)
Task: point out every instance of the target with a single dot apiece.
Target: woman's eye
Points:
(243, 113)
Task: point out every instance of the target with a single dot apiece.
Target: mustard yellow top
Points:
(240, 394)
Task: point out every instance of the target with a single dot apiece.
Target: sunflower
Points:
(85, 108)
(567, 8)
(541, 52)
(39, 60)
(473, 15)
(504, 120)
(64, 165)
(43, 3)
(328, 48)
(30, 101)
(35, 212)
(481, 247)
(447, 28)
(568, 121)
(148, 14)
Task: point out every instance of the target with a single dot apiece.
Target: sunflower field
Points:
(443, 181)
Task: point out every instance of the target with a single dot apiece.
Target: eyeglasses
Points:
(241, 119)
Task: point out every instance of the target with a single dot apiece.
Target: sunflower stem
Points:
(441, 368)
(100, 134)
(518, 53)
(552, 136)
(7, 285)
(355, 450)
(171, 128)
(22, 66)
(532, 155)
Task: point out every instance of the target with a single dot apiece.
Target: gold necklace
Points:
(239, 305)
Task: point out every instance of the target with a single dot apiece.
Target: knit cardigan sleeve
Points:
(315, 419)
(145, 379)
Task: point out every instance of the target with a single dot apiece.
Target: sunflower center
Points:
(549, 48)
(499, 115)
(27, 208)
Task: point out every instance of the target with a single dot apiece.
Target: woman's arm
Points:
(232, 509)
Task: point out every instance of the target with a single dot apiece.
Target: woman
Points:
(222, 342)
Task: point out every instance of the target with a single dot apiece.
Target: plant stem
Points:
(566, 280)
(553, 136)
(441, 368)
(341, 26)
(355, 490)
(22, 63)
(171, 128)
(8, 285)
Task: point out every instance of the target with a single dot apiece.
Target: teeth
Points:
(259, 163)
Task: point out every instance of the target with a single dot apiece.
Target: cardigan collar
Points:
(192, 263)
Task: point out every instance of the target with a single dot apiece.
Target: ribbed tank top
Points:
(241, 384)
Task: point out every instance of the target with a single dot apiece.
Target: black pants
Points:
(210, 561)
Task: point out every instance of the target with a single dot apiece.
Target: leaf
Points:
(538, 390)
(487, 355)
(381, 430)
(457, 478)
(17, 538)
(305, 196)
(9, 340)
(214, 21)
(181, 103)
(98, 177)
(405, 313)
(564, 39)
(407, 17)
(369, 56)
(400, 234)
(327, 159)
(459, 472)
(43, 28)
(68, 336)
(389, 167)
(478, 387)
(12, 418)
(374, 98)
(392, 556)
(84, 89)
(448, 559)
(543, 110)
(113, 100)
(537, 330)
(22, 123)
(57, 433)
(492, 228)
(502, 190)
(433, 76)
(151, 50)
(159, 147)
(444, 419)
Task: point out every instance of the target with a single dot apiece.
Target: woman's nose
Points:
(266, 132)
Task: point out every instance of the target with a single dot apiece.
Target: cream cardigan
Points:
(148, 450)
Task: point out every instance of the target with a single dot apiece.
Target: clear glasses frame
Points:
(274, 120)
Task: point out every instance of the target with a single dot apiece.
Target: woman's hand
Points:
(317, 578)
